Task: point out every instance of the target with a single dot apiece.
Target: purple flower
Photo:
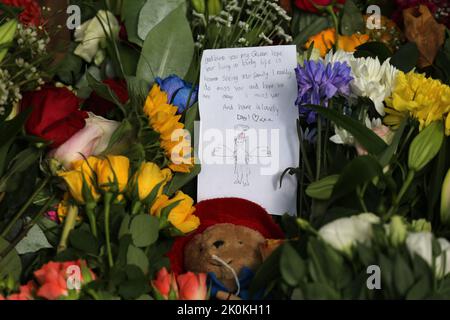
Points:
(318, 83)
(179, 92)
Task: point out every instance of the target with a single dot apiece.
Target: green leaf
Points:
(34, 241)
(352, 20)
(358, 171)
(181, 179)
(266, 273)
(322, 189)
(124, 226)
(7, 32)
(373, 49)
(420, 289)
(21, 162)
(137, 257)
(11, 264)
(366, 137)
(403, 276)
(130, 14)
(69, 70)
(84, 241)
(192, 115)
(405, 59)
(144, 230)
(292, 267)
(308, 25)
(153, 12)
(320, 291)
(168, 48)
(9, 129)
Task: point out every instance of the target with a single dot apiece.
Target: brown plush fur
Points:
(236, 245)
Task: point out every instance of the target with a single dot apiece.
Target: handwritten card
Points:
(248, 133)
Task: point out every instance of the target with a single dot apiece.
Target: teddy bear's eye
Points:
(240, 242)
(218, 243)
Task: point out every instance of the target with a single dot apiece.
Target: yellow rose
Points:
(181, 216)
(150, 176)
(76, 180)
(113, 170)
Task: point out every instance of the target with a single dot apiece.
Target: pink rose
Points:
(92, 140)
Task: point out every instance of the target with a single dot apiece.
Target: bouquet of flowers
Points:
(98, 170)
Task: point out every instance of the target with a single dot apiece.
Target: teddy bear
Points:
(234, 237)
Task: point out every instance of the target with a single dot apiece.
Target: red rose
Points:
(100, 106)
(55, 116)
(31, 14)
(308, 5)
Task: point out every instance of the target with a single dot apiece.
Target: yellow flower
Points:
(163, 119)
(422, 98)
(81, 176)
(326, 39)
(63, 208)
(113, 171)
(181, 216)
(150, 176)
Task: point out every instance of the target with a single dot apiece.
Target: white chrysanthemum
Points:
(371, 78)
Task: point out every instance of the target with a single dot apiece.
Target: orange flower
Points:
(192, 286)
(25, 293)
(326, 39)
(165, 285)
(53, 278)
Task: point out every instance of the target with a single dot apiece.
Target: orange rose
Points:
(192, 286)
(326, 39)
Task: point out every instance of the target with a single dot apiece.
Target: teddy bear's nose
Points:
(218, 243)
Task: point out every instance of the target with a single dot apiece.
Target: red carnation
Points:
(102, 107)
(31, 14)
(308, 5)
(55, 116)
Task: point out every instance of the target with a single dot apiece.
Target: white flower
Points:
(92, 140)
(342, 136)
(343, 233)
(92, 36)
(371, 78)
(420, 243)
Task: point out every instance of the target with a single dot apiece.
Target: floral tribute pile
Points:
(97, 170)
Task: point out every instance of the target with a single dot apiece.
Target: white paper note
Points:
(248, 133)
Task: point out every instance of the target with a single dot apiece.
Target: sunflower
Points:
(422, 98)
(163, 119)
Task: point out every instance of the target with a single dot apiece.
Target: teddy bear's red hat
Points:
(225, 210)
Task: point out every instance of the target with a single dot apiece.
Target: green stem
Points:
(107, 210)
(330, 10)
(403, 190)
(91, 216)
(24, 207)
(318, 147)
(361, 192)
(69, 224)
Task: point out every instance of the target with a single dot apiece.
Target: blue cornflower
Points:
(318, 83)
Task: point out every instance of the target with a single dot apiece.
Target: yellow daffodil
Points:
(422, 98)
(113, 171)
(163, 119)
(326, 39)
(181, 216)
(150, 176)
